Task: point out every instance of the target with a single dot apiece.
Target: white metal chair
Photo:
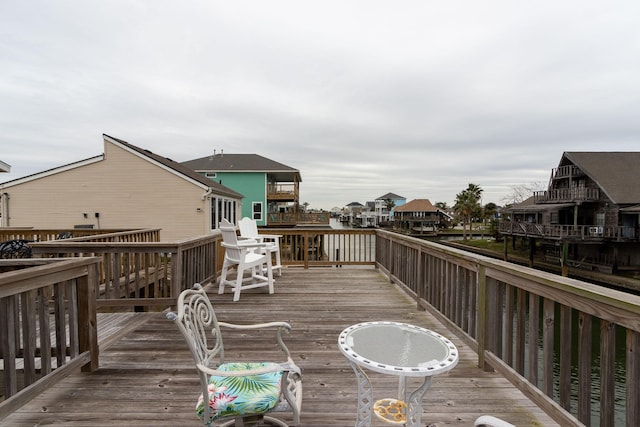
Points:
(244, 255)
(239, 393)
(249, 230)
(489, 421)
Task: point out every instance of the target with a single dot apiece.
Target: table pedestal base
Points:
(413, 410)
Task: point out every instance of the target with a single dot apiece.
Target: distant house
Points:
(382, 212)
(271, 189)
(420, 215)
(351, 213)
(125, 187)
(589, 215)
(4, 167)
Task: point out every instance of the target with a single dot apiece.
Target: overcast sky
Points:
(418, 98)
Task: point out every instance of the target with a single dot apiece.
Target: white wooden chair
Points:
(239, 393)
(243, 255)
(249, 230)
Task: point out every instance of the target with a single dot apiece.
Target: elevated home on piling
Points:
(589, 215)
(420, 216)
(125, 187)
(382, 204)
(271, 189)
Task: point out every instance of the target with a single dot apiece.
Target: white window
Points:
(210, 175)
(256, 211)
(222, 208)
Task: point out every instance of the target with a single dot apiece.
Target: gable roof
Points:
(391, 196)
(177, 167)
(243, 163)
(417, 205)
(52, 171)
(167, 163)
(616, 173)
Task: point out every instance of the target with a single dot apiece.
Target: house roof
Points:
(244, 163)
(4, 167)
(420, 205)
(164, 161)
(355, 204)
(417, 205)
(616, 173)
(178, 167)
(526, 208)
(391, 196)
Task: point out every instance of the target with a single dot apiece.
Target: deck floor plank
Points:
(147, 377)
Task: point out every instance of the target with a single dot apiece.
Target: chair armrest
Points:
(245, 244)
(279, 327)
(251, 244)
(283, 325)
(271, 236)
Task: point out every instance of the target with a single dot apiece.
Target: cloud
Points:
(364, 97)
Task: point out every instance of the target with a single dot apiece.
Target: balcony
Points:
(575, 233)
(568, 171)
(282, 192)
(564, 195)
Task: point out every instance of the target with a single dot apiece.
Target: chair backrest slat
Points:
(196, 319)
(230, 238)
(248, 227)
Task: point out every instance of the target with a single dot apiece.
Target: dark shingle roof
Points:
(391, 196)
(178, 167)
(243, 163)
(617, 173)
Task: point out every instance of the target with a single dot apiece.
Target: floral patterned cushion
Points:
(238, 396)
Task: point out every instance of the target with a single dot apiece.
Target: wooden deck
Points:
(146, 376)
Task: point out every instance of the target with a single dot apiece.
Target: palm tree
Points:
(389, 203)
(467, 205)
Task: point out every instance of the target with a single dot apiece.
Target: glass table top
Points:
(398, 348)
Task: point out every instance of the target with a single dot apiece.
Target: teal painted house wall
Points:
(252, 185)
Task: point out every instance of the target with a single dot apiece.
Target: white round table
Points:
(397, 349)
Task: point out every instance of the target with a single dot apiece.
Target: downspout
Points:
(208, 220)
(4, 208)
(206, 194)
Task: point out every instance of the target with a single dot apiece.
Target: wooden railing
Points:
(566, 195)
(553, 337)
(564, 232)
(282, 191)
(47, 324)
(536, 328)
(326, 247)
(297, 218)
(567, 171)
(142, 274)
(42, 235)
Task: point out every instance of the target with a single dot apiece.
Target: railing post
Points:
(306, 244)
(633, 378)
(176, 273)
(87, 318)
(482, 316)
(8, 344)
